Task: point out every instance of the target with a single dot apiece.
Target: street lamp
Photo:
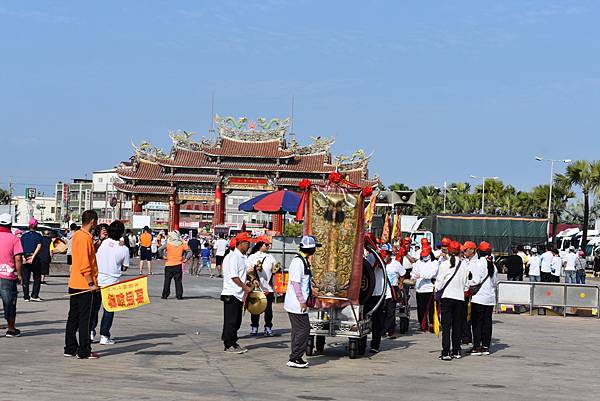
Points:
(445, 189)
(476, 177)
(551, 161)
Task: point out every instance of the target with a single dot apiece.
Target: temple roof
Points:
(238, 148)
(145, 189)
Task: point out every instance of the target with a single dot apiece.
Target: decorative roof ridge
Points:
(240, 140)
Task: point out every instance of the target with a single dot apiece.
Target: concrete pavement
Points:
(171, 350)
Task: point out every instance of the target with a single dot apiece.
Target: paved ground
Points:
(170, 350)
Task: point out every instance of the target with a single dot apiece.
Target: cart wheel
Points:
(320, 346)
(353, 349)
(310, 346)
(404, 324)
(362, 346)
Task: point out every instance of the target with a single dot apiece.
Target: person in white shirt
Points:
(484, 274)
(395, 274)
(259, 257)
(220, 248)
(378, 316)
(580, 265)
(535, 261)
(556, 266)
(451, 283)
(113, 260)
(234, 292)
(570, 271)
(546, 266)
(471, 260)
(424, 272)
(296, 300)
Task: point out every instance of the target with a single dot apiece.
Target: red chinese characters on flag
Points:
(128, 294)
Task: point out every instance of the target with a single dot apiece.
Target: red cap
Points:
(446, 241)
(244, 236)
(383, 253)
(485, 246)
(469, 245)
(424, 241)
(426, 251)
(454, 247)
(264, 238)
(232, 243)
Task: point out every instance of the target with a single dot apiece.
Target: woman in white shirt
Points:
(260, 257)
(556, 266)
(424, 270)
(395, 274)
(452, 280)
(482, 303)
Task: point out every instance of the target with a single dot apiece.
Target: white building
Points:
(42, 208)
(105, 198)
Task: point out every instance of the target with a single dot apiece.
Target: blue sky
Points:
(438, 90)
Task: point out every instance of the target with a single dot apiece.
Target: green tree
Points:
(4, 197)
(429, 200)
(292, 229)
(586, 176)
(398, 187)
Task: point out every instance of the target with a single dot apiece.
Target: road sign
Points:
(30, 193)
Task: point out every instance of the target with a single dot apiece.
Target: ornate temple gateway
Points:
(205, 181)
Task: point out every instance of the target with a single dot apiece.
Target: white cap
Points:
(308, 242)
(572, 248)
(534, 250)
(5, 219)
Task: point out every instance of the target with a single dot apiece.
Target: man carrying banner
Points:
(113, 259)
(234, 292)
(82, 286)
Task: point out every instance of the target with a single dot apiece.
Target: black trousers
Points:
(546, 277)
(467, 335)
(481, 318)
(78, 320)
(425, 308)
(29, 270)
(390, 317)
(268, 313)
(232, 319)
(377, 321)
(300, 332)
(452, 324)
(173, 272)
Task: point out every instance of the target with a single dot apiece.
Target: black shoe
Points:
(485, 351)
(13, 333)
(456, 354)
(445, 357)
(374, 351)
(297, 363)
(179, 298)
(475, 351)
(163, 297)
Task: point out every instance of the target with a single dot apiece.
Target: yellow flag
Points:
(385, 235)
(436, 320)
(370, 210)
(395, 228)
(124, 295)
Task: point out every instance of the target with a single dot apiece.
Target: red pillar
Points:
(219, 216)
(173, 214)
(136, 207)
(277, 220)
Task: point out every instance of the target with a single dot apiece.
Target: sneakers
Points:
(475, 351)
(268, 331)
(236, 349)
(92, 355)
(26, 299)
(106, 340)
(374, 351)
(297, 363)
(67, 355)
(485, 351)
(456, 355)
(253, 331)
(445, 357)
(38, 299)
(13, 333)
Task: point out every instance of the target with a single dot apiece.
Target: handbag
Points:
(438, 294)
(474, 289)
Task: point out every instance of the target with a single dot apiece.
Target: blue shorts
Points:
(8, 293)
(145, 253)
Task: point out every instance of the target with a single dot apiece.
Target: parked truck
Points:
(503, 232)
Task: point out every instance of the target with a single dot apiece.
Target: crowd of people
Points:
(452, 281)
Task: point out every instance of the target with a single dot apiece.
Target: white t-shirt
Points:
(487, 292)
(110, 258)
(570, 259)
(556, 266)
(459, 284)
(394, 271)
(234, 265)
(534, 265)
(296, 274)
(221, 246)
(546, 262)
(426, 271)
(267, 268)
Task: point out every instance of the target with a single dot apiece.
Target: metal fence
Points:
(581, 296)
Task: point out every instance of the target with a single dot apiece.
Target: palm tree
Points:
(429, 201)
(585, 175)
(398, 187)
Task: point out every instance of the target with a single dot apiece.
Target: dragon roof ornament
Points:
(255, 131)
(146, 151)
(182, 139)
(358, 160)
(319, 145)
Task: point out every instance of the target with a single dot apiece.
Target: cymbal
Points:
(256, 302)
